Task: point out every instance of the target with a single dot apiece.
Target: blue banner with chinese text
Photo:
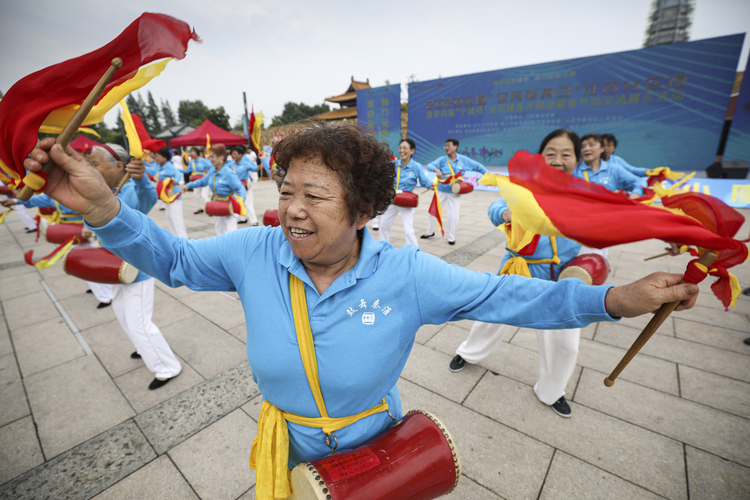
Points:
(666, 105)
(379, 109)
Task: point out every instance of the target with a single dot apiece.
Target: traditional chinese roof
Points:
(338, 114)
(349, 98)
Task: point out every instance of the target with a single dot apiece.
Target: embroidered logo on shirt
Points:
(368, 317)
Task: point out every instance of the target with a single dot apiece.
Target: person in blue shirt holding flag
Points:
(224, 184)
(175, 220)
(450, 164)
(198, 165)
(408, 173)
(352, 304)
(610, 143)
(242, 166)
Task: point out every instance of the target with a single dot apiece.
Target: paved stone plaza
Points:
(84, 425)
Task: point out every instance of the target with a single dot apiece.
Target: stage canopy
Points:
(198, 137)
(83, 144)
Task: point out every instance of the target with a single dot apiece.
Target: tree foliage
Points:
(152, 120)
(195, 112)
(167, 114)
(219, 117)
(294, 113)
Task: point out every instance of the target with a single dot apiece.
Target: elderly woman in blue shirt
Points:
(198, 165)
(242, 166)
(359, 302)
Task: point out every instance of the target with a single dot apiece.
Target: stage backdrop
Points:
(738, 142)
(665, 104)
(379, 109)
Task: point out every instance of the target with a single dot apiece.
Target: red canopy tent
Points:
(198, 137)
(83, 144)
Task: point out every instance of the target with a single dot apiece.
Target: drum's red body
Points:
(60, 233)
(46, 210)
(6, 190)
(462, 188)
(415, 460)
(406, 199)
(271, 218)
(591, 268)
(219, 208)
(196, 175)
(244, 183)
(98, 265)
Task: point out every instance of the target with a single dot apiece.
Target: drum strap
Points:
(65, 218)
(398, 177)
(519, 264)
(270, 452)
(586, 175)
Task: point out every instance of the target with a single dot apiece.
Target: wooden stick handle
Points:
(124, 179)
(707, 260)
(75, 122)
(656, 256)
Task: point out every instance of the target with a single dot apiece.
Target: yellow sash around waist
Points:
(518, 264)
(270, 453)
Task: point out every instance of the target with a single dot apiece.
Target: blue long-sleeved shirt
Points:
(240, 169)
(139, 195)
(223, 183)
(363, 325)
(566, 249)
(42, 201)
(462, 163)
(197, 165)
(610, 176)
(410, 174)
(637, 171)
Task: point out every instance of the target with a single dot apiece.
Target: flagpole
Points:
(75, 122)
(706, 260)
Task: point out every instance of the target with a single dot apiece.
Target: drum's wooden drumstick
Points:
(707, 259)
(124, 179)
(75, 122)
(656, 256)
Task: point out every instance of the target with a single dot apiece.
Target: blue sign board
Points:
(738, 142)
(666, 105)
(379, 109)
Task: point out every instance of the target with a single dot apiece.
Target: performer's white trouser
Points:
(175, 221)
(225, 224)
(250, 206)
(374, 223)
(134, 305)
(253, 176)
(558, 352)
(202, 195)
(24, 215)
(407, 217)
(451, 203)
(599, 251)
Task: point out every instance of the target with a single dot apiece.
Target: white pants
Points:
(225, 224)
(175, 222)
(451, 203)
(134, 305)
(558, 352)
(24, 215)
(374, 222)
(250, 206)
(407, 217)
(202, 196)
(253, 176)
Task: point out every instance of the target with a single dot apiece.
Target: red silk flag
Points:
(436, 210)
(28, 102)
(147, 142)
(547, 201)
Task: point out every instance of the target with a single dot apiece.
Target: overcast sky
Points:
(279, 51)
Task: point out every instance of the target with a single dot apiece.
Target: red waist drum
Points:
(406, 199)
(271, 218)
(244, 183)
(98, 265)
(416, 459)
(196, 175)
(46, 210)
(60, 233)
(591, 268)
(219, 208)
(462, 188)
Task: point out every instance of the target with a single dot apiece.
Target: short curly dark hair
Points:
(363, 164)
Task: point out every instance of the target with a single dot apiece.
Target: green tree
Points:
(152, 121)
(134, 106)
(219, 117)
(294, 113)
(113, 136)
(167, 114)
(192, 112)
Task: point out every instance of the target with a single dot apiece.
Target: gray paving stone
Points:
(28, 310)
(498, 458)
(248, 495)
(470, 489)
(426, 332)
(715, 391)
(429, 368)
(45, 345)
(217, 308)
(21, 286)
(171, 422)
(569, 477)
(207, 348)
(226, 474)
(134, 385)
(168, 310)
(12, 394)
(82, 309)
(706, 315)
(239, 332)
(85, 470)
(684, 352)
(448, 337)
(19, 449)
(252, 407)
(159, 479)
(628, 451)
(715, 336)
(5, 345)
(710, 476)
(66, 286)
(666, 328)
(113, 347)
(691, 423)
(74, 402)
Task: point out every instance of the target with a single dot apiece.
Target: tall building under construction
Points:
(669, 22)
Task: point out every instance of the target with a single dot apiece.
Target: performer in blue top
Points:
(408, 173)
(451, 163)
(175, 220)
(223, 182)
(594, 169)
(558, 349)
(610, 143)
(242, 166)
(198, 165)
(134, 303)
(364, 299)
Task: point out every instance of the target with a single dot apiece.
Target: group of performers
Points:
(341, 310)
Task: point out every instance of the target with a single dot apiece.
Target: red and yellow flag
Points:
(436, 210)
(256, 122)
(29, 101)
(52, 258)
(164, 189)
(548, 201)
(3, 216)
(238, 205)
(147, 142)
